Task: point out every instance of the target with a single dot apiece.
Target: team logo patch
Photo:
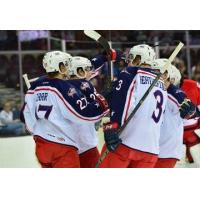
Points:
(84, 86)
(71, 92)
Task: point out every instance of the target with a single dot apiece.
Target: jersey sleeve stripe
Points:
(69, 107)
(30, 92)
(173, 100)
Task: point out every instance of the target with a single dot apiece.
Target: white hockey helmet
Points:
(52, 60)
(175, 76)
(146, 53)
(161, 65)
(78, 63)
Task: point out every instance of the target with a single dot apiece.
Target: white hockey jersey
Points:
(171, 134)
(51, 108)
(143, 131)
(86, 133)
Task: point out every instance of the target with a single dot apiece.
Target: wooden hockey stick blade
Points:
(92, 34)
(176, 51)
(97, 37)
(27, 82)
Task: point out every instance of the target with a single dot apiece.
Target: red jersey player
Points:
(191, 139)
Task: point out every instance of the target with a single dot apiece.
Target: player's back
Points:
(171, 134)
(143, 131)
(53, 106)
(86, 133)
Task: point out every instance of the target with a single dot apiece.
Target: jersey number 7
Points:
(43, 112)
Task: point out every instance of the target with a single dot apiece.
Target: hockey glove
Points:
(114, 55)
(102, 102)
(187, 109)
(111, 137)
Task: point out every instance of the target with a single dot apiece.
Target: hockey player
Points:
(191, 126)
(80, 70)
(138, 144)
(52, 106)
(171, 133)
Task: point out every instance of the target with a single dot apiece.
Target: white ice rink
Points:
(18, 152)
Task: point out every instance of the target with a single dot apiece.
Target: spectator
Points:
(4, 131)
(16, 111)
(10, 126)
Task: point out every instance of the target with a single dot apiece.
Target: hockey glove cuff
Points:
(111, 136)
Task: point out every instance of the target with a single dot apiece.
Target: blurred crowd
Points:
(77, 39)
(32, 65)
(10, 124)
(9, 68)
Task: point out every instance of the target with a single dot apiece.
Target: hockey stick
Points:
(28, 81)
(104, 43)
(119, 131)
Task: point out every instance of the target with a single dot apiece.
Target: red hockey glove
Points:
(102, 102)
(113, 54)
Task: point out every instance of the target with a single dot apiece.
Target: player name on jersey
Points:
(149, 81)
(42, 96)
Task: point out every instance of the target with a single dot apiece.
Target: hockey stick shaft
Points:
(171, 58)
(105, 44)
(28, 81)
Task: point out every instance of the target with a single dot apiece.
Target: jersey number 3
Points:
(157, 113)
